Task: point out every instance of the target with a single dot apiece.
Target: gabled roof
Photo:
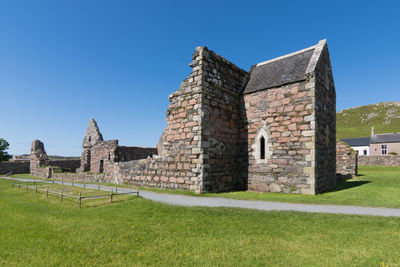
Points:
(283, 70)
(385, 138)
(362, 141)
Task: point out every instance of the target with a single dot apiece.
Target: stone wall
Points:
(14, 167)
(200, 142)
(103, 155)
(346, 162)
(127, 153)
(325, 123)
(221, 122)
(388, 160)
(66, 165)
(39, 161)
(282, 116)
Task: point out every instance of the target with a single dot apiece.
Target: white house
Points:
(360, 144)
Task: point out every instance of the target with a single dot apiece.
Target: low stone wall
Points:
(14, 167)
(346, 162)
(83, 177)
(155, 172)
(67, 165)
(388, 160)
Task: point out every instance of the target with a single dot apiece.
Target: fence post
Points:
(13, 185)
(26, 187)
(62, 181)
(73, 181)
(99, 186)
(80, 199)
(62, 191)
(111, 196)
(116, 188)
(47, 192)
(35, 189)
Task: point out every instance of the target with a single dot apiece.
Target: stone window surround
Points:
(257, 147)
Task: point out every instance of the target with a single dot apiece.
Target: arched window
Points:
(262, 147)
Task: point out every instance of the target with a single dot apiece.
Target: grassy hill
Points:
(357, 122)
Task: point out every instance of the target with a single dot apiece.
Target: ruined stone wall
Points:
(106, 152)
(66, 165)
(127, 153)
(346, 162)
(325, 125)
(284, 117)
(14, 167)
(220, 106)
(388, 160)
(179, 164)
(39, 161)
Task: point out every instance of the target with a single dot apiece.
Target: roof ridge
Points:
(287, 55)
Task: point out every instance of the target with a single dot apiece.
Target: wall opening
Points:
(262, 147)
(90, 139)
(101, 167)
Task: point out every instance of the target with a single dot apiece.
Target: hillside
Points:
(357, 122)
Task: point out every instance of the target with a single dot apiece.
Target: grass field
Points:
(375, 186)
(357, 122)
(46, 232)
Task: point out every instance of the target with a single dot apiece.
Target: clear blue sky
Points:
(63, 62)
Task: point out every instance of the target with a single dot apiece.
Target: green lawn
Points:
(375, 186)
(46, 232)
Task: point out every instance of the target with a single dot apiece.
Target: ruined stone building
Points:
(99, 156)
(271, 129)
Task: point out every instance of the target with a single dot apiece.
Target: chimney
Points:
(372, 131)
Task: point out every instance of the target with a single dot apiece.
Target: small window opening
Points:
(365, 152)
(109, 156)
(262, 147)
(101, 167)
(384, 149)
(90, 139)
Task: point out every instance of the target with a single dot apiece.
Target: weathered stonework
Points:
(220, 121)
(386, 160)
(39, 161)
(346, 161)
(99, 156)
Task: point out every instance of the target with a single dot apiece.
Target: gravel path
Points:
(182, 200)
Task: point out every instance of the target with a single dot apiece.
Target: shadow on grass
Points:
(347, 185)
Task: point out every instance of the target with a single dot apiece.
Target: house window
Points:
(365, 152)
(262, 147)
(384, 149)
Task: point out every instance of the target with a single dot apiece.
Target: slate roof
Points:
(283, 70)
(385, 138)
(362, 141)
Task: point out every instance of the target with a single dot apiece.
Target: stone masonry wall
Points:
(388, 160)
(325, 124)
(200, 142)
(104, 151)
(127, 153)
(179, 164)
(66, 165)
(346, 161)
(14, 167)
(220, 103)
(284, 117)
(39, 161)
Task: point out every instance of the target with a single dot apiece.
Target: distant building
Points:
(376, 145)
(361, 145)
